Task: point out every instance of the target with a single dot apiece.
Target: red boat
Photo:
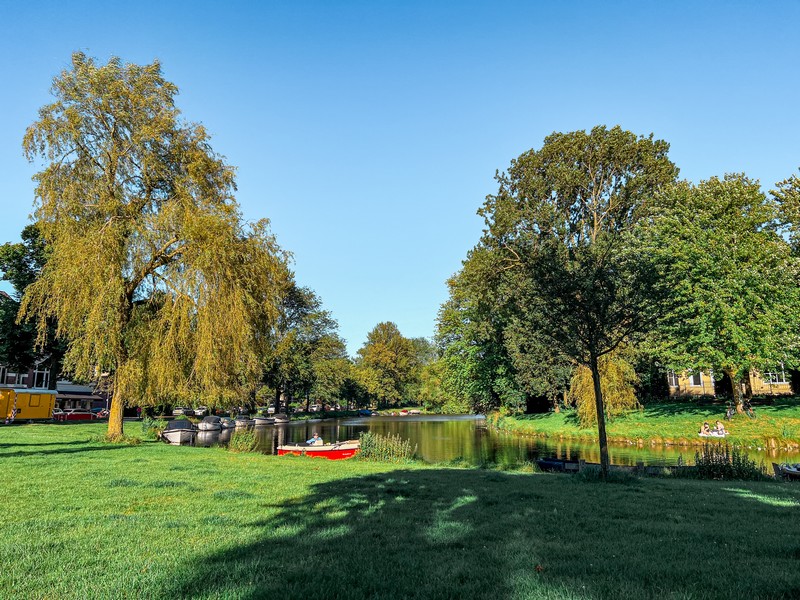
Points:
(335, 451)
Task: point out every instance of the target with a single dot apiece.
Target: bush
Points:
(243, 440)
(151, 428)
(385, 448)
(721, 462)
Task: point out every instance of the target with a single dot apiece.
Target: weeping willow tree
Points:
(617, 382)
(152, 275)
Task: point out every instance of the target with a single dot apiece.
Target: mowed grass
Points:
(775, 426)
(88, 520)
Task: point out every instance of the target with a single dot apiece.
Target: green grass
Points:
(88, 520)
(776, 426)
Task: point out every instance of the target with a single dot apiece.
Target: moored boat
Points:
(263, 421)
(243, 421)
(227, 423)
(335, 451)
(179, 432)
(281, 418)
(210, 424)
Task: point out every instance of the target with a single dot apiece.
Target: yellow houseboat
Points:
(28, 403)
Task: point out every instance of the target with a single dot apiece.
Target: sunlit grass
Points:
(88, 520)
(675, 423)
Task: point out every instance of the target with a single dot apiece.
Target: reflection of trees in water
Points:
(441, 439)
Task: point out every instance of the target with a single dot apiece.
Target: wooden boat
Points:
(788, 472)
(179, 432)
(210, 424)
(334, 451)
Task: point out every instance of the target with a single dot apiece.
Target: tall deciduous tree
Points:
(732, 277)
(385, 363)
(560, 221)
(152, 275)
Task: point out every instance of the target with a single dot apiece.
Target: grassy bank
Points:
(672, 423)
(88, 520)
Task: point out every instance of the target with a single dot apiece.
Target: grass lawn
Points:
(88, 520)
(775, 426)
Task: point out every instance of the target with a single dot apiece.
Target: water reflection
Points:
(466, 438)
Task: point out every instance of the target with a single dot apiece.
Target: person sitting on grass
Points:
(705, 429)
(721, 428)
(315, 440)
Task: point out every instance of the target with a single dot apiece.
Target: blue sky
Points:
(370, 132)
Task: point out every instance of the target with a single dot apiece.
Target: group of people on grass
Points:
(718, 431)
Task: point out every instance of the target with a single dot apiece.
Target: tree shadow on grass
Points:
(18, 444)
(446, 533)
(85, 448)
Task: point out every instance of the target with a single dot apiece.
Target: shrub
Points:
(385, 448)
(716, 461)
(243, 440)
(151, 428)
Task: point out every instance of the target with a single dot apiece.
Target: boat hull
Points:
(329, 451)
(179, 437)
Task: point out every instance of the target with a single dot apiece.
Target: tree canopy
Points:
(732, 278)
(557, 231)
(152, 274)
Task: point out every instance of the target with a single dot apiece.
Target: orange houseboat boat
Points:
(335, 451)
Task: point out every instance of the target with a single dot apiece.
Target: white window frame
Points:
(672, 379)
(699, 374)
(777, 376)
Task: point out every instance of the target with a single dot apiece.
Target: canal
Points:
(467, 439)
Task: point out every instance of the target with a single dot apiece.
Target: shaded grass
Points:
(128, 523)
(776, 426)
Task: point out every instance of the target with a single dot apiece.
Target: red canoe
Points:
(335, 451)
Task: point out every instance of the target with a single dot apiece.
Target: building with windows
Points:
(698, 383)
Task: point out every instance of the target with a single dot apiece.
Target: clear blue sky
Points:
(369, 132)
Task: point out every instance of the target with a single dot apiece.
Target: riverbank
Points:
(670, 424)
(91, 520)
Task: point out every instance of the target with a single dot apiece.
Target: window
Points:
(41, 378)
(672, 379)
(696, 379)
(778, 375)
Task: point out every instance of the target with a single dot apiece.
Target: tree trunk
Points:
(115, 417)
(601, 415)
(736, 389)
(748, 385)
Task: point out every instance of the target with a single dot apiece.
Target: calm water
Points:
(467, 438)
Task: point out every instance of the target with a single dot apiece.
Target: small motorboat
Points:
(335, 451)
(791, 472)
(227, 423)
(281, 418)
(210, 424)
(179, 432)
(243, 421)
(259, 421)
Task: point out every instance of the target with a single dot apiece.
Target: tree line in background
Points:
(598, 270)
(139, 272)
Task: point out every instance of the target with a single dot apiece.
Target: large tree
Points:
(560, 222)
(20, 265)
(732, 278)
(385, 365)
(151, 276)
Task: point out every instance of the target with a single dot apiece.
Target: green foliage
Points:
(386, 364)
(731, 277)
(152, 275)
(243, 440)
(385, 448)
(617, 381)
(717, 461)
(151, 428)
